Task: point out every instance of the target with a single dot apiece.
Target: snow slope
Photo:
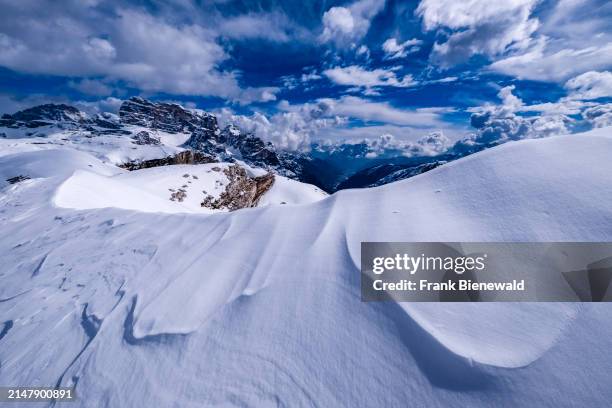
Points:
(109, 148)
(261, 307)
(149, 190)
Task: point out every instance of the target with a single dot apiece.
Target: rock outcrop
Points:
(186, 157)
(144, 138)
(241, 192)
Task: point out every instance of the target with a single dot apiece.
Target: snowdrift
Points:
(262, 306)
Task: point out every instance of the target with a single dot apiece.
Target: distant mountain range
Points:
(329, 166)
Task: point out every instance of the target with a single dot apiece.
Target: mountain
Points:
(262, 307)
(390, 170)
(148, 166)
(171, 129)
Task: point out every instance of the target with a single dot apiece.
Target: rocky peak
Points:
(43, 115)
(169, 117)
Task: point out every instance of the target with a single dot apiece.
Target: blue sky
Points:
(300, 71)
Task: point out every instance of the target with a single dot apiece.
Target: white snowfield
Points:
(261, 307)
(149, 190)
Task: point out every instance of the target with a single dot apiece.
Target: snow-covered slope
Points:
(261, 307)
(153, 189)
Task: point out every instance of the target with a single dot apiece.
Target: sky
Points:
(294, 72)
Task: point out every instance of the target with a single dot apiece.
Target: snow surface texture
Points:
(261, 307)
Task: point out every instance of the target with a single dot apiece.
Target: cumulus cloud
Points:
(590, 85)
(394, 50)
(599, 116)
(344, 26)
(432, 144)
(295, 126)
(289, 130)
(498, 124)
(357, 76)
(145, 51)
(478, 27)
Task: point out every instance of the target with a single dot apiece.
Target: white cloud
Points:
(578, 22)
(431, 144)
(346, 25)
(496, 124)
(91, 87)
(338, 21)
(291, 129)
(509, 101)
(12, 104)
(480, 27)
(295, 126)
(539, 63)
(109, 104)
(394, 50)
(258, 94)
(273, 26)
(599, 116)
(590, 85)
(310, 76)
(369, 111)
(574, 38)
(145, 51)
(363, 51)
(357, 76)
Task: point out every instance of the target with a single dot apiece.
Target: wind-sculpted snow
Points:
(262, 306)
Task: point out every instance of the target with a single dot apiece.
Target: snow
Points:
(109, 148)
(262, 306)
(287, 191)
(149, 190)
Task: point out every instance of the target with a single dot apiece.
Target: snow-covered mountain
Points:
(261, 307)
(148, 140)
(166, 129)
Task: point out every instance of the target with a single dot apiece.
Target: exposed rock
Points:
(144, 138)
(185, 157)
(169, 117)
(105, 123)
(231, 143)
(179, 195)
(262, 185)
(242, 190)
(17, 179)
